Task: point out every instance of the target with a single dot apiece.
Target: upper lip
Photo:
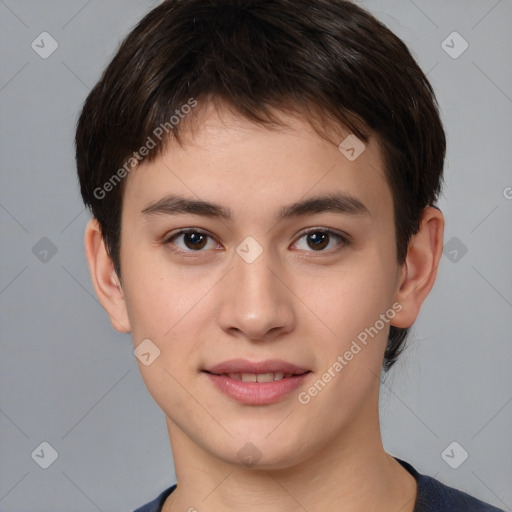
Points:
(246, 366)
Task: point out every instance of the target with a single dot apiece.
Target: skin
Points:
(294, 302)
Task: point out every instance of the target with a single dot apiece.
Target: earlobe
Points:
(104, 278)
(419, 271)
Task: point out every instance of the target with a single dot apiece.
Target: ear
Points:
(419, 271)
(104, 278)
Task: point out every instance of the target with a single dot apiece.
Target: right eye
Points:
(192, 240)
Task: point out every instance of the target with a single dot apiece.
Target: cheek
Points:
(163, 309)
(351, 354)
(161, 297)
(171, 308)
(351, 303)
(352, 299)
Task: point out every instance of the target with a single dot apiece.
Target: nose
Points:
(256, 302)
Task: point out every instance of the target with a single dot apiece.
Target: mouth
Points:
(240, 367)
(257, 383)
(259, 377)
(257, 392)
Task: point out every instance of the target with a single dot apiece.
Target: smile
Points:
(257, 389)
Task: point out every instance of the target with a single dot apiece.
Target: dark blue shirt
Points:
(433, 496)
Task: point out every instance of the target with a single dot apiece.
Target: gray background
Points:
(69, 379)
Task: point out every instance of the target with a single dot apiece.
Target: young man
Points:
(262, 177)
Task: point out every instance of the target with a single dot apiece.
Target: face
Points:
(270, 269)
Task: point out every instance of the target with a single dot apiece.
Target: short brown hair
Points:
(318, 58)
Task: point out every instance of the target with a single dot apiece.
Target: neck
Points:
(350, 472)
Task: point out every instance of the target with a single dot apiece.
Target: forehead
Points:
(245, 166)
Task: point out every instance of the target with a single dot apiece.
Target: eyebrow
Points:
(336, 202)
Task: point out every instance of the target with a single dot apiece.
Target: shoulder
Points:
(434, 496)
(157, 503)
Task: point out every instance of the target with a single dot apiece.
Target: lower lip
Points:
(257, 393)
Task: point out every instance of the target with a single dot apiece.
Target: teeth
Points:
(260, 377)
(265, 377)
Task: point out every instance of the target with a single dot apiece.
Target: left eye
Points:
(320, 239)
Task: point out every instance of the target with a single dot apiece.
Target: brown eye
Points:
(190, 240)
(194, 241)
(316, 240)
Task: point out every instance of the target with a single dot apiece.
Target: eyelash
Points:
(344, 240)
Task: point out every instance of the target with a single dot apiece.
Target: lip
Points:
(257, 393)
(246, 366)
